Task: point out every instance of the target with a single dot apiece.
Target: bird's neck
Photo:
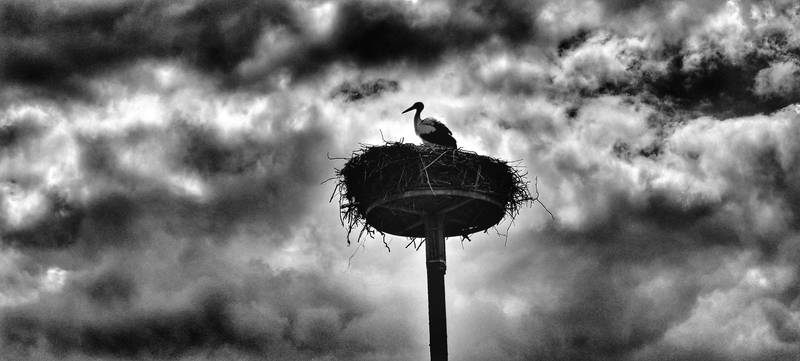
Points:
(417, 116)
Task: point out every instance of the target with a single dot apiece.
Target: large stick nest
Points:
(377, 173)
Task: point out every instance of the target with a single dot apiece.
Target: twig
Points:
(386, 244)
(400, 178)
(349, 231)
(334, 191)
(536, 199)
(360, 234)
(350, 259)
(463, 237)
(434, 161)
(507, 231)
(426, 174)
(502, 235)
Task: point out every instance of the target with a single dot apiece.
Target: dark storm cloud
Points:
(606, 311)
(183, 300)
(666, 248)
(673, 20)
(202, 151)
(785, 328)
(251, 181)
(708, 80)
(602, 317)
(109, 289)
(271, 177)
(14, 134)
(627, 6)
(266, 313)
(354, 92)
(718, 85)
(642, 262)
(573, 41)
(55, 50)
(160, 334)
(57, 228)
(371, 33)
(622, 292)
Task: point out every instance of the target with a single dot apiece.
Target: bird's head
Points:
(417, 105)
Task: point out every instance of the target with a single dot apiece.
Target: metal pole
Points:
(436, 266)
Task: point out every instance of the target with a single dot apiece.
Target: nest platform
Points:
(394, 187)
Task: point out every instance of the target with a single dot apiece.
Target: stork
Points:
(431, 130)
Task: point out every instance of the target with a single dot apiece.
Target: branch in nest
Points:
(536, 198)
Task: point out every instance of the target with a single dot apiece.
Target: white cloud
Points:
(779, 79)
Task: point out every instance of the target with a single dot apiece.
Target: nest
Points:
(376, 174)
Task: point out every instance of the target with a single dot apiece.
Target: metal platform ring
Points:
(435, 192)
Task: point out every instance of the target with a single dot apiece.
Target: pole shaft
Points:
(436, 266)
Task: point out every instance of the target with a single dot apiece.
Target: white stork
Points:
(431, 130)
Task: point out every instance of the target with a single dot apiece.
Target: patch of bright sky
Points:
(122, 113)
(54, 279)
(322, 18)
(188, 186)
(29, 112)
(21, 207)
(562, 18)
(54, 161)
(726, 30)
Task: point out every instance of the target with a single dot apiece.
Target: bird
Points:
(431, 130)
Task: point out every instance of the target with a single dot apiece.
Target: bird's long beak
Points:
(409, 109)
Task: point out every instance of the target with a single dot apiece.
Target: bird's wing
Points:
(436, 125)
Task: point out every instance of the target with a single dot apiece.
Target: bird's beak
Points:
(409, 109)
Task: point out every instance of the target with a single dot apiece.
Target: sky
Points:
(162, 168)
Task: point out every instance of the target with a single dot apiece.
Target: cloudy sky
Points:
(161, 169)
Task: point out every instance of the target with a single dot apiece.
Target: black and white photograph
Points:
(392, 180)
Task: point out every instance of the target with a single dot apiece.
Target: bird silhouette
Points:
(431, 130)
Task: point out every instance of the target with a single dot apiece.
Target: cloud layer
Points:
(162, 168)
